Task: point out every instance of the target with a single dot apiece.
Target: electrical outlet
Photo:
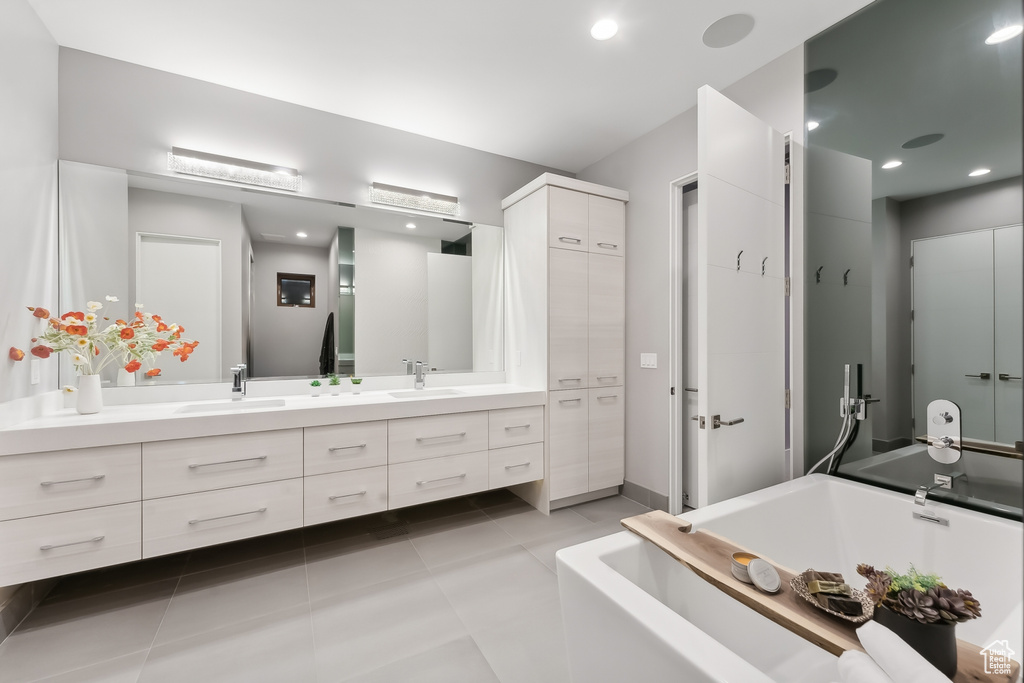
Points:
(649, 360)
(33, 367)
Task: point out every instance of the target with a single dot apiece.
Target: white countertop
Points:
(121, 424)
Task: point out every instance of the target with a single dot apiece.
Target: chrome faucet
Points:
(942, 481)
(239, 381)
(408, 365)
(421, 370)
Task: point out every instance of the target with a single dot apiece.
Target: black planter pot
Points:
(934, 642)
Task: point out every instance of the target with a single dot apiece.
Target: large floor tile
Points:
(363, 630)
(496, 587)
(544, 549)
(118, 577)
(528, 649)
(271, 649)
(357, 562)
(124, 669)
(219, 597)
(457, 538)
(73, 634)
(225, 554)
(459, 661)
(613, 509)
(524, 523)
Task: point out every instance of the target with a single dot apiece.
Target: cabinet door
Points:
(607, 234)
(569, 467)
(606, 328)
(568, 217)
(606, 437)
(567, 324)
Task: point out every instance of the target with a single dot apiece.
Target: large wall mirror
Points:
(914, 242)
(291, 286)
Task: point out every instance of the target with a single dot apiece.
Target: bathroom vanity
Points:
(81, 492)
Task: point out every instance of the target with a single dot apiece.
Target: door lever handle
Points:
(717, 422)
(1005, 376)
(981, 375)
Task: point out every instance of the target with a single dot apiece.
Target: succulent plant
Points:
(922, 597)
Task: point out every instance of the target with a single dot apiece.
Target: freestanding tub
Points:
(631, 611)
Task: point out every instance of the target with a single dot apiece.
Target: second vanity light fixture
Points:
(392, 195)
(206, 165)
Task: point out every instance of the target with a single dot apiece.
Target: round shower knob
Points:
(942, 418)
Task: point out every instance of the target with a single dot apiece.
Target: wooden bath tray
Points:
(710, 557)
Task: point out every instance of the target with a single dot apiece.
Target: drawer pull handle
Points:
(237, 514)
(522, 464)
(458, 435)
(72, 481)
(51, 546)
(601, 398)
(571, 379)
(570, 240)
(511, 427)
(347, 495)
(569, 400)
(224, 462)
(601, 377)
(345, 448)
(424, 482)
(607, 245)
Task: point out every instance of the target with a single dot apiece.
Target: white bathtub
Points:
(633, 612)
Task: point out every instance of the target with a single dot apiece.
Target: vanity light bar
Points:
(406, 198)
(206, 165)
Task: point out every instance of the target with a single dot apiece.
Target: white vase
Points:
(314, 391)
(335, 389)
(89, 397)
(125, 378)
(356, 389)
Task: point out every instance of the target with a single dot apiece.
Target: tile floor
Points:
(456, 591)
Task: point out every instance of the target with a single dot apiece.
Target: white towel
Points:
(897, 659)
(857, 667)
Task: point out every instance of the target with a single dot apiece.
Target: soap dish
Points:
(798, 584)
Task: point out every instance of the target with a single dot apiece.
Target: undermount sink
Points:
(425, 393)
(231, 406)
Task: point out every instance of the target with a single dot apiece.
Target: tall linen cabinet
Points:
(565, 325)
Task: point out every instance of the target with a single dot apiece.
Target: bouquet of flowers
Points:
(92, 345)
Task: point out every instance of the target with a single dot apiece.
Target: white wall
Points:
(645, 168)
(391, 300)
(128, 116)
(287, 339)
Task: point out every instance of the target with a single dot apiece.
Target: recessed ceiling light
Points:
(979, 171)
(728, 30)
(923, 141)
(301, 234)
(1004, 34)
(892, 164)
(811, 125)
(604, 29)
(818, 79)
(411, 226)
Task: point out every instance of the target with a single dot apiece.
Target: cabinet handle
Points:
(72, 481)
(570, 240)
(347, 495)
(980, 375)
(601, 377)
(237, 514)
(51, 546)
(571, 379)
(569, 400)
(1005, 376)
(345, 448)
(607, 245)
(601, 398)
(224, 462)
(431, 481)
(511, 427)
(690, 389)
(441, 436)
(522, 464)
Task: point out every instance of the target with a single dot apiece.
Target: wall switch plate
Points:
(648, 360)
(33, 366)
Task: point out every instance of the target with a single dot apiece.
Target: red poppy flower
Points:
(39, 312)
(73, 314)
(15, 354)
(41, 351)
(133, 366)
(155, 372)
(160, 345)
(162, 327)
(127, 333)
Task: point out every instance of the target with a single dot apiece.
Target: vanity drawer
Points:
(515, 465)
(336, 448)
(67, 542)
(328, 497)
(170, 525)
(515, 426)
(171, 468)
(416, 438)
(58, 481)
(426, 480)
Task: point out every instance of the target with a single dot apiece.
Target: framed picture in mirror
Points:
(296, 290)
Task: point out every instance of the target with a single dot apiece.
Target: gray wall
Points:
(28, 190)
(128, 116)
(645, 168)
(287, 339)
(889, 345)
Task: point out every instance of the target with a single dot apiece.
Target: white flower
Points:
(94, 305)
(78, 359)
(110, 328)
(90, 317)
(81, 342)
(68, 389)
(139, 306)
(111, 298)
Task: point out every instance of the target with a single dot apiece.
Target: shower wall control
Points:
(944, 431)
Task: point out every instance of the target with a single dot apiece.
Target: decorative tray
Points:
(798, 584)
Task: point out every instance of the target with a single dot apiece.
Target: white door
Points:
(1009, 332)
(740, 301)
